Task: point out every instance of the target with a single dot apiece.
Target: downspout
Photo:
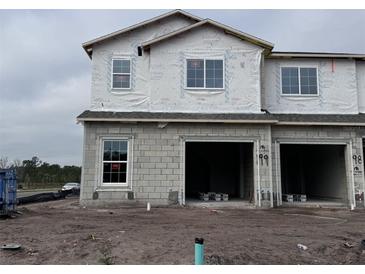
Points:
(83, 163)
(270, 170)
(352, 183)
(277, 159)
(182, 172)
(258, 173)
(131, 168)
(262, 82)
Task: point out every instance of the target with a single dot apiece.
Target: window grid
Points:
(124, 73)
(308, 80)
(115, 161)
(195, 74)
(309, 89)
(204, 86)
(214, 73)
(290, 82)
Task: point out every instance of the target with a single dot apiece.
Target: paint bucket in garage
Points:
(199, 251)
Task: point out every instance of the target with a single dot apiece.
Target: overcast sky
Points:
(45, 74)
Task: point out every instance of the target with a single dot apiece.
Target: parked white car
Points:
(71, 185)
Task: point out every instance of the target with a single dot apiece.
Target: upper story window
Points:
(204, 74)
(299, 81)
(121, 73)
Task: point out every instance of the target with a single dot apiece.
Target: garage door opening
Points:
(220, 167)
(317, 171)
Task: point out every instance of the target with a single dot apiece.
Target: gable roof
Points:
(88, 45)
(242, 35)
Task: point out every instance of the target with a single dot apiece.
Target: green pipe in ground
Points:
(199, 251)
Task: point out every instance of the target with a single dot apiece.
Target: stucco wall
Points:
(158, 77)
(337, 88)
(242, 73)
(125, 45)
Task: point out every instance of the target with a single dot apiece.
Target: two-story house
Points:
(182, 105)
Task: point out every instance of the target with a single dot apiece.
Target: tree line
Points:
(35, 173)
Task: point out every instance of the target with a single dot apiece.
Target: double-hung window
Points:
(115, 161)
(204, 74)
(121, 73)
(299, 81)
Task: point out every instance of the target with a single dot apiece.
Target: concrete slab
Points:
(234, 203)
(313, 203)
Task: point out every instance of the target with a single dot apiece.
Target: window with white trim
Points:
(299, 81)
(115, 161)
(204, 74)
(121, 73)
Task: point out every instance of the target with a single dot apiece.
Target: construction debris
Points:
(218, 197)
(213, 196)
(300, 197)
(294, 198)
(216, 211)
(348, 245)
(204, 197)
(32, 252)
(11, 246)
(302, 247)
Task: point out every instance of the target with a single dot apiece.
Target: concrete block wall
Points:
(158, 159)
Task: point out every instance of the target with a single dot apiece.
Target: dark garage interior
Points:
(319, 171)
(221, 167)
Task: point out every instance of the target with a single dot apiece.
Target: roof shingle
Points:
(353, 119)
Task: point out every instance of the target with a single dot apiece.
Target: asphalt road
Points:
(35, 191)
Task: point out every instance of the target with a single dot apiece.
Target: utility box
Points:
(8, 188)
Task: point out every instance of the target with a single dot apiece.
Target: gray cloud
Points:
(45, 75)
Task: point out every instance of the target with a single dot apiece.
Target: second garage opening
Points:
(219, 167)
(317, 171)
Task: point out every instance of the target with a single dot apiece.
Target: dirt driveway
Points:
(61, 232)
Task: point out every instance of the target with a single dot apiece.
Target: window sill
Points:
(108, 188)
(299, 95)
(118, 90)
(205, 89)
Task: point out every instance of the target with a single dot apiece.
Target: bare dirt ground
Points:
(61, 232)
